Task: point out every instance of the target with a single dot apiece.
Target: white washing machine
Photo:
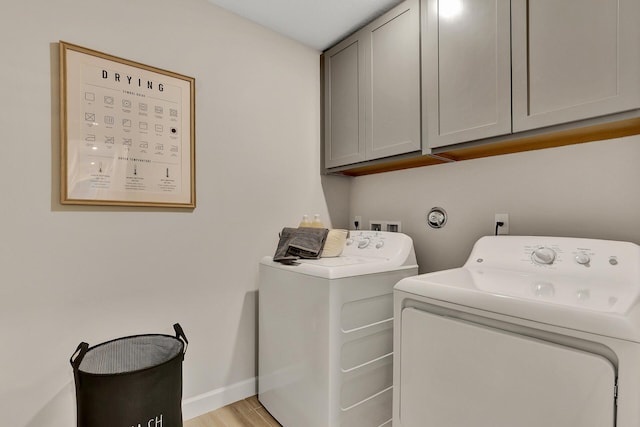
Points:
(530, 332)
(326, 333)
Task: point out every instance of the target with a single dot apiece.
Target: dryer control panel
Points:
(377, 244)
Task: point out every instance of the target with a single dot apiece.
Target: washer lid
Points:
(610, 310)
(503, 275)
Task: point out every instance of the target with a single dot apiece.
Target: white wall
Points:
(91, 274)
(69, 274)
(587, 190)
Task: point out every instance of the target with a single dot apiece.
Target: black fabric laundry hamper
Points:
(134, 381)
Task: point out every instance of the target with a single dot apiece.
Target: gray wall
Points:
(587, 190)
(73, 274)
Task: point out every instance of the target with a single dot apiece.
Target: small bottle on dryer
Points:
(316, 222)
(305, 221)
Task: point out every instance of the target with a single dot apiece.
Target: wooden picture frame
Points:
(127, 132)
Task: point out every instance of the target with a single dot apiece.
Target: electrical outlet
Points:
(504, 228)
(393, 226)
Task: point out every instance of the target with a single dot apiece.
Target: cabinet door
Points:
(574, 59)
(344, 104)
(393, 82)
(466, 70)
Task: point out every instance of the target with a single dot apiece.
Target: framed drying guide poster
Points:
(127, 132)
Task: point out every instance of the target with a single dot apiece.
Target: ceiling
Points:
(316, 23)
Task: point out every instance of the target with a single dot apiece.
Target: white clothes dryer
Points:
(530, 332)
(325, 350)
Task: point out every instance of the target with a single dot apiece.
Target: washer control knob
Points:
(349, 241)
(583, 258)
(544, 256)
(380, 244)
(364, 243)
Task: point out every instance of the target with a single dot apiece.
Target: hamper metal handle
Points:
(180, 334)
(81, 351)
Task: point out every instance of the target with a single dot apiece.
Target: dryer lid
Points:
(339, 267)
(365, 252)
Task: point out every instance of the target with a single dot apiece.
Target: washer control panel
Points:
(601, 275)
(561, 255)
(551, 254)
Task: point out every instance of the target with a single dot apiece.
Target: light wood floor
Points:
(244, 413)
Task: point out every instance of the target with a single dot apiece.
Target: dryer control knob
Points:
(379, 244)
(544, 256)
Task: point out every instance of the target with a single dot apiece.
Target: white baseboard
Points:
(215, 399)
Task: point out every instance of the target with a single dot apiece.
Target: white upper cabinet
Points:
(466, 70)
(573, 60)
(372, 90)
